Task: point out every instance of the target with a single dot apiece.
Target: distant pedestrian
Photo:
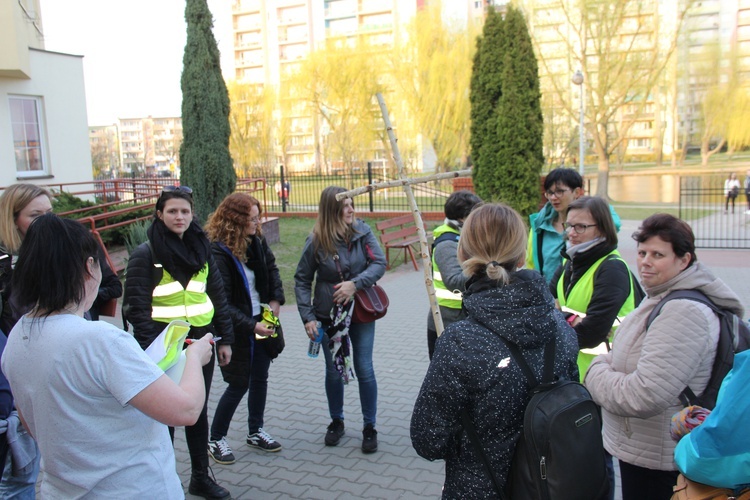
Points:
(747, 191)
(341, 256)
(731, 191)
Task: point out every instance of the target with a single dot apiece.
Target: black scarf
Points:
(181, 257)
(256, 262)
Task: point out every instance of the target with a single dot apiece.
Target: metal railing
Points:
(300, 192)
(717, 222)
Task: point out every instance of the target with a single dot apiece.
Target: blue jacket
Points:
(717, 452)
(553, 243)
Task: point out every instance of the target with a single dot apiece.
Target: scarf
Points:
(181, 257)
(339, 342)
(572, 250)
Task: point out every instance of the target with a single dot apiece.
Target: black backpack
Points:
(560, 454)
(734, 337)
(156, 274)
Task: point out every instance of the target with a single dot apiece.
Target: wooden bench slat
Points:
(401, 233)
(396, 221)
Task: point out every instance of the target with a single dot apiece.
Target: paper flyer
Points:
(167, 349)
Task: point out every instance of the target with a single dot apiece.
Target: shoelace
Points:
(223, 446)
(265, 436)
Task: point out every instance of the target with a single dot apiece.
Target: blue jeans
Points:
(363, 338)
(19, 487)
(256, 398)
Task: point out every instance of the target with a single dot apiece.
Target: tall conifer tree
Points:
(507, 152)
(206, 164)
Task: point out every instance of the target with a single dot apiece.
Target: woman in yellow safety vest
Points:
(594, 286)
(173, 276)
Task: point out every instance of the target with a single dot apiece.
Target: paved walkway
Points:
(297, 416)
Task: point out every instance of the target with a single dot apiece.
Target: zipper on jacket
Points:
(543, 468)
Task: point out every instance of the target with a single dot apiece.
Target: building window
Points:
(28, 141)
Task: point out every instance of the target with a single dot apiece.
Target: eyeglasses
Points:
(557, 193)
(177, 189)
(578, 228)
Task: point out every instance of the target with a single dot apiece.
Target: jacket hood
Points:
(699, 277)
(519, 311)
(360, 229)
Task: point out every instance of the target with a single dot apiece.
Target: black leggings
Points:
(196, 435)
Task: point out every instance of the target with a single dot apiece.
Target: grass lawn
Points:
(292, 232)
(637, 211)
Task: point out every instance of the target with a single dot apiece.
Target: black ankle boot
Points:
(203, 485)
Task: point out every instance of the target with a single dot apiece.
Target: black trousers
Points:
(640, 483)
(196, 435)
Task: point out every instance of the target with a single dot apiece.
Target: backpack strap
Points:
(449, 236)
(687, 396)
(471, 431)
(548, 371)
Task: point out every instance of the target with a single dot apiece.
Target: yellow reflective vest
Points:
(170, 301)
(446, 298)
(577, 301)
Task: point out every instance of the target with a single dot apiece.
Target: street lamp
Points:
(578, 80)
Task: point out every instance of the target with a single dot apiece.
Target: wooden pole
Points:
(424, 254)
(402, 182)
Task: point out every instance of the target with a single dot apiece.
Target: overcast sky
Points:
(132, 51)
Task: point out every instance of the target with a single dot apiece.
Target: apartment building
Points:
(148, 146)
(105, 150)
(43, 123)
(272, 37)
(671, 111)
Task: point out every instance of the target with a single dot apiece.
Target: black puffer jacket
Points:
(8, 318)
(139, 287)
(362, 262)
(611, 288)
(260, 259)
(472, 369)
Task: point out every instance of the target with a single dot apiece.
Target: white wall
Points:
(58, 80)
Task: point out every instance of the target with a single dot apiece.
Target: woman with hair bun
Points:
(471, 367)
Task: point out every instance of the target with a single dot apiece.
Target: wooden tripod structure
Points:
(424, 253)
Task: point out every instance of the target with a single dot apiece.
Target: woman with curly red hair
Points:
(251, 278)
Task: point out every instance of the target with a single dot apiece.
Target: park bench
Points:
(399, 233)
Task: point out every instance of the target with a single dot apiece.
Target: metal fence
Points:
(300, 192)
(717, 222)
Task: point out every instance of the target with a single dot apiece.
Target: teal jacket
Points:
(717, 452)
(553, 242)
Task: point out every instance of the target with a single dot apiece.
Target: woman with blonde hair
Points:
(472, 368)
(251, 280)
(341, 256)
(20, 204)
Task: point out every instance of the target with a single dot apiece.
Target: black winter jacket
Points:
(611, 289)
(472, 369)
(262, 262)
(8, 317)
(362, 262)
(139, 288)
